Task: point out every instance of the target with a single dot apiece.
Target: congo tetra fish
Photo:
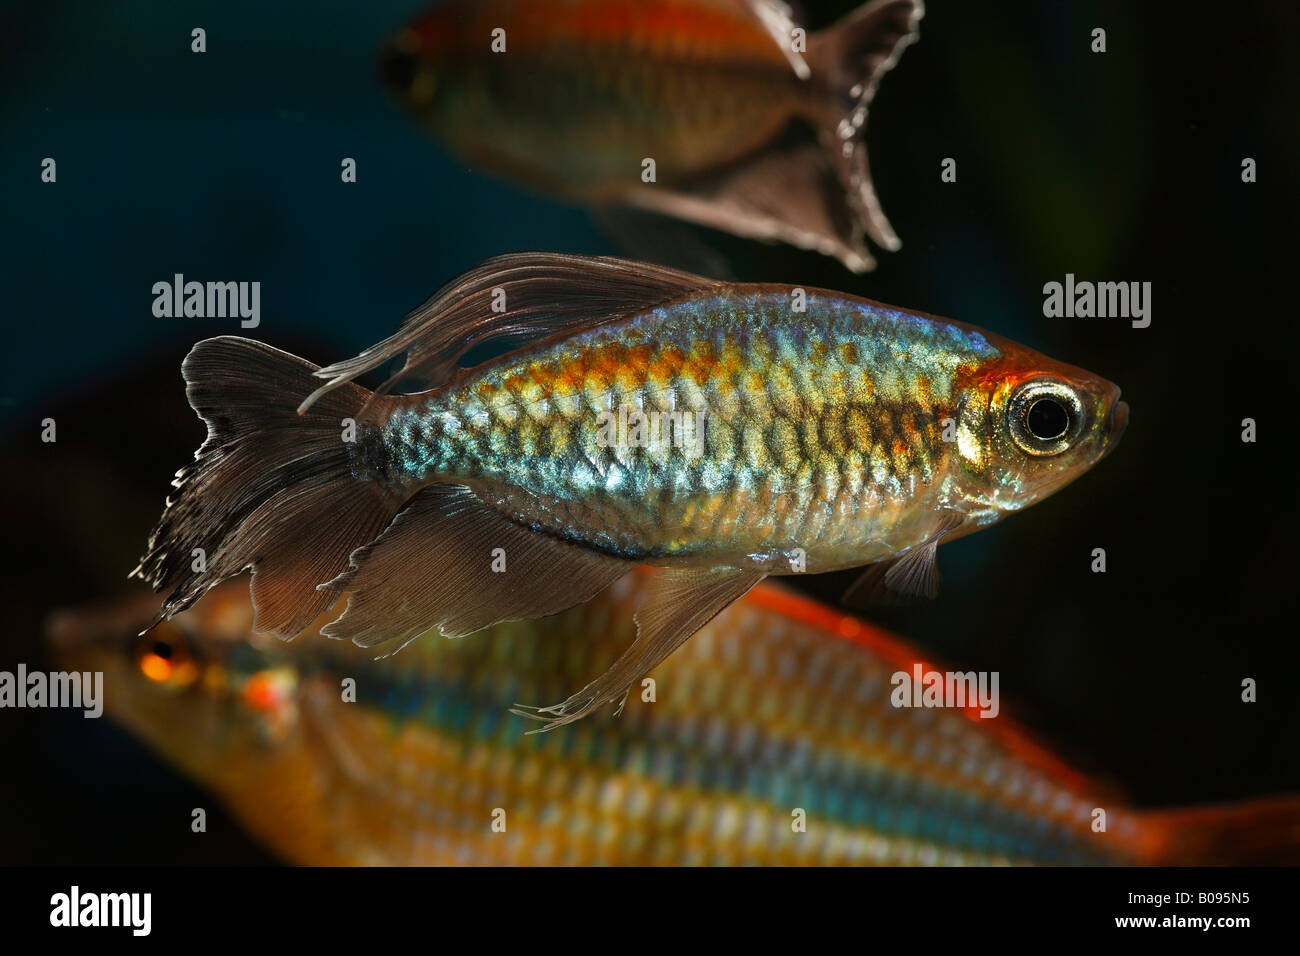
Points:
(723, 432)
(721, 112)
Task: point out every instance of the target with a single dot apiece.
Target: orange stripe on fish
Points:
(662, 26)
(748, 723)
(897, 652)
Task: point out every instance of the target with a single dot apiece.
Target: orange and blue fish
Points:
(771, 739)
(753, 126)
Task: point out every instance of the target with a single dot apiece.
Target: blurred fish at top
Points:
(754, 127)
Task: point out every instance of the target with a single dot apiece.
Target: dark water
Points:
(1118, 166)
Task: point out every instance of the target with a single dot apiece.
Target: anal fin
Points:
(788, 193)
(452, 562)
(681, 601)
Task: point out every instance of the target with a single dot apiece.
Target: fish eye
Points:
(405, 71)
(1044, 417)
(1047, 419)
(400, 66)
(165, 656)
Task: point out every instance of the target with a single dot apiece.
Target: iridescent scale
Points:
(777, 428)
(772, 741)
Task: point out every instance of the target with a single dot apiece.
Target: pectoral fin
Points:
(681, 601)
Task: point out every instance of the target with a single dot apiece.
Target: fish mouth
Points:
(1118, 419)
(1116, 422)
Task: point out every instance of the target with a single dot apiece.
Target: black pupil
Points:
(399, 67)
(162, 650)
(1047, 419)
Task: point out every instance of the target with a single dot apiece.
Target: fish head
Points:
(411, 66)
(1029, 425)
(200, 689)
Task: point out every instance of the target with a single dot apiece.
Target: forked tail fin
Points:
(814, 194)
(269, 490)
(1252, 833)
(851, 57)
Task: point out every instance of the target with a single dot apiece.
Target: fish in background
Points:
(807, 431)
(751, 131)
(779, 710)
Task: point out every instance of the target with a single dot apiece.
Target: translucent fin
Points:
(850, 58)
(912, 574)
(542, 293)
(789, 193)
(810, 191)
(778, 19)
(438, 566)
(269, 490)
(681, 601)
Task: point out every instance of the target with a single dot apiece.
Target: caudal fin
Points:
(849, 58)
(270, 490)
(814, 193)
(1253, 833)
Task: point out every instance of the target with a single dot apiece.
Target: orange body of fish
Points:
(772, 738)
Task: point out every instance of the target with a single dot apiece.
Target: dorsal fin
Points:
(544, 293)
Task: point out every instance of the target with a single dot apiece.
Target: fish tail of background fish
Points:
(1263, 832)
(851, 57)
(815, 195)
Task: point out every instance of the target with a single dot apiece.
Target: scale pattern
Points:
(777, 711)
(820, 427)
